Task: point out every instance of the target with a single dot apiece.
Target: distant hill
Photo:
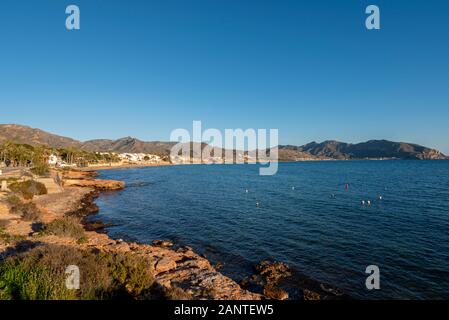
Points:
(292, 153)
(373, 149)
(128, 144)
(27, 135)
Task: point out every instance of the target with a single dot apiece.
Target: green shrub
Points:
(26, 278)
(131, 272)
(65, 227)
(39, 274)
(41, 170)
(13, 200)
(27, 189)
(82, 240)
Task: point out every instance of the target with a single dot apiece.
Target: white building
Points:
(53, 160)
(140, 157)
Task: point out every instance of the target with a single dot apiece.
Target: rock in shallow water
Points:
(267, 278)
(311, 296)
(163, 243)
(273, 271)
(272, 292)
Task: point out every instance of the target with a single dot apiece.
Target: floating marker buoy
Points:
(380, 197)
(247, 191)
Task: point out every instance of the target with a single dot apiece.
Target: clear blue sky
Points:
(308, 68)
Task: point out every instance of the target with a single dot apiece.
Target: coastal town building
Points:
(140, 158)
(53, 160)
(119, 159)
(56, 161)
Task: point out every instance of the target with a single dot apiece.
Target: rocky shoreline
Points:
(271, 279)
(173, 267)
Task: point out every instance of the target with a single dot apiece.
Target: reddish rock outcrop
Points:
(311, 295)
(96, 184)
(267, 279)
(272, 292)
(273, 271)
(72, 174)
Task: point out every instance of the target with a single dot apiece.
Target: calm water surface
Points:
(307, 218)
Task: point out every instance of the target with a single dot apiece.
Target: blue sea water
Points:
(307, 217)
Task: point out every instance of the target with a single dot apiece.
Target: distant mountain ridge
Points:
(127, 145)
(327, 150)
(27, 135)
(373, 149)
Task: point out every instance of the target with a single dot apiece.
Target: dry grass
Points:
(175, 293)
(41, 170)
(9, 239)
(27, 210)
(3, 224)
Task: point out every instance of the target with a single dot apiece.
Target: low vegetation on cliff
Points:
(39, 274)
(28, 189)
(66, 227)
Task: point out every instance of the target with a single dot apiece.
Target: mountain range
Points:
(327, 150)
(373, 149)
